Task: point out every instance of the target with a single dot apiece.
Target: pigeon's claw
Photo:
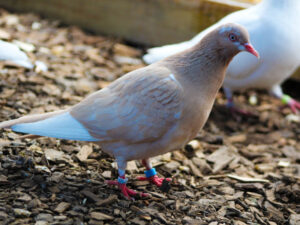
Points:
(234, 110)
(151, 176)
(127, 192)
(237, 111)
(295, 106)
(155, 180)
(292, 103)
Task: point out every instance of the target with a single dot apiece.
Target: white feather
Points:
(11, 52)
(62, 126)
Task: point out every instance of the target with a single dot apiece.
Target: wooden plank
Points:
(148, 22)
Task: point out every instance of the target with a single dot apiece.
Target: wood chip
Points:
(237, 138)
(295, 219)
(107, 201)
(84, 153)
(61, 207)
(247, 179)
(131, 166)
(100, 216)
(221, 158)
(90, 195)
(54, 155)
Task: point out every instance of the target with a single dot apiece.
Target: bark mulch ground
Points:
(239, 170)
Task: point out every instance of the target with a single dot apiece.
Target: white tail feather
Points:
(24, 63)
(30, 118)
(62, 126)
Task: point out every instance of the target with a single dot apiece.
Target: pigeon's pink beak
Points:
(249, 48)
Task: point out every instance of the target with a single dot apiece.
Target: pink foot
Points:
(242, 112)
(127, 192)
(294, 105)
(237, 111)
(155, 180)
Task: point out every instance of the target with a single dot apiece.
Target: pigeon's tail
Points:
(30, 119)
(155, 54)
(59, 124)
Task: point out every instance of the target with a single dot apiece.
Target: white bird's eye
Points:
(232, 37)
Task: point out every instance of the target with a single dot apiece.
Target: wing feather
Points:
(139, 109)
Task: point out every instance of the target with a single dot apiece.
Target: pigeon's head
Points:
(236, 38)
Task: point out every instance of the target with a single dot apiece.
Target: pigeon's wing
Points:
(136, 108)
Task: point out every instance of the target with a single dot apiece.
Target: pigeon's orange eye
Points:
(232, 37)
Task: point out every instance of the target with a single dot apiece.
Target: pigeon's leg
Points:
(286, 99)
(151, 174)
(121, 182)
(292, 103)
(230, 104)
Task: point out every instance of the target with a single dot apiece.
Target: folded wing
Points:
(136, 108)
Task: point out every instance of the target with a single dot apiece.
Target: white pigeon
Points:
(274, 27)
(10, 52)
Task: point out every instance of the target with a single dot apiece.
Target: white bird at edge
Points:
(274, 28)
(11, 52)
(149, 111)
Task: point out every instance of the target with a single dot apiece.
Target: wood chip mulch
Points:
(239, 170)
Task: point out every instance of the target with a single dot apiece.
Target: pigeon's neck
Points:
(204, 64)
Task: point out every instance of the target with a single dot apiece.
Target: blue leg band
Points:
(122, 181)
(230, 103)
(150, 173)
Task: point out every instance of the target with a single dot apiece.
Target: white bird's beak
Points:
(249, 48)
